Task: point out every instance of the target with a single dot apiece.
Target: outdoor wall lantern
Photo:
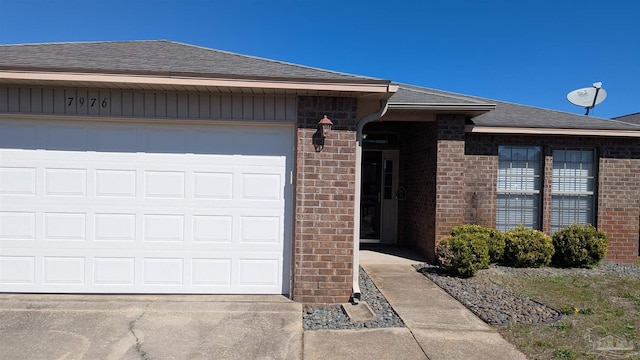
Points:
(324, 129)
(325, 126)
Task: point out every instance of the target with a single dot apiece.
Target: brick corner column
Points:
(324, 202)
(450, 176)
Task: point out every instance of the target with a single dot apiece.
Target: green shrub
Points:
(494, 238)
(463, 254)
(579, 246)
(527, 248)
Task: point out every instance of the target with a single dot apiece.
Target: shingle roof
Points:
(161, 56)
(631, 118)
(515, 115)
(511, 115)
(409, 94)
(156, 56)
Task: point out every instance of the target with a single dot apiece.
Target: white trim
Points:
(442, 106)
(197, 81)
(548, 131)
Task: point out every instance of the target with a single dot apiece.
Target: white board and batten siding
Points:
(142, 207)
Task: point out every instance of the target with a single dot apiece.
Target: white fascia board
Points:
(199, 81)
(548, 131)
(442, 106)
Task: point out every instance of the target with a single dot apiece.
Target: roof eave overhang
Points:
(472, 109)
(305, 86)
(550, 131)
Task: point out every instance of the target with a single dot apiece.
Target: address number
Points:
(91, 102)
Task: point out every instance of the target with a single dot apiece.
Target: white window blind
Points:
(519, 183)
(573, 187)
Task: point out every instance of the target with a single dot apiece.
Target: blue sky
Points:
(531, 52)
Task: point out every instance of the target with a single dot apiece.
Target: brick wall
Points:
(416, 215)
(450, 174)
(432, 160)
(324, 202)
(618, 196)
(480, 182)
(618, 192)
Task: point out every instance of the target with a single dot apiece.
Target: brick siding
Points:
(450, 174)
(618, 186)
(416, 214)
(450, 178)
(432, 170)
(324, 202)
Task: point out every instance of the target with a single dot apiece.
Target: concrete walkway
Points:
(438, 326)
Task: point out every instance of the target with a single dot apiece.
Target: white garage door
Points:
(144, 208)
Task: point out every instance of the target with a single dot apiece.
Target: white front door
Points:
(88, 207)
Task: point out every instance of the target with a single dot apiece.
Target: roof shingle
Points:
(156, 56)
(631, 118)
(511, 115)
(161, 56)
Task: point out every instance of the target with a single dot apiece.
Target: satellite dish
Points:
(588, 97)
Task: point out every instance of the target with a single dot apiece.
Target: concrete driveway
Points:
(149, 327)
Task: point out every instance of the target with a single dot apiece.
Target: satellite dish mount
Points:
(588, 97)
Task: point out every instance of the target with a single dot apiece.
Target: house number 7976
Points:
(82, 101)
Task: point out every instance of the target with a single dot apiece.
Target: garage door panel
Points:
(17, 270)
(223, 272)
(212, 229)
(261, 186)
(213, 185)
(260, 229)
(114, 271)
(67, 226)
(63, 270)
(259, 272)
(164, 184)
(17, 225)
(65, 182)
(163, 271)
(119, 218)
(114, 227)
(211, 272)
(163, 228)
(115, 183)
(17, 181)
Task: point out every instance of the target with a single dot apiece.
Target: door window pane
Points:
(388, 179)
(370, 195)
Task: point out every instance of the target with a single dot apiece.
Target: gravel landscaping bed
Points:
(481, 294)
(497, 305)
(332, 317)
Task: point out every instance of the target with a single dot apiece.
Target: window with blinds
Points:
(519, 183)
(573, 187)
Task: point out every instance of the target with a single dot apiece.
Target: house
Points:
(161, 167)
